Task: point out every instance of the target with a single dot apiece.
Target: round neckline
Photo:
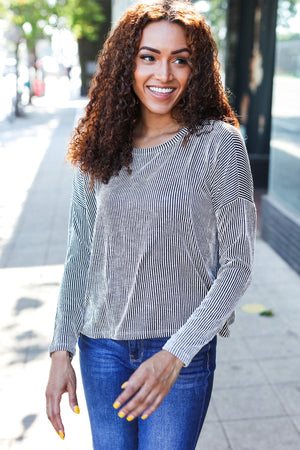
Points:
(173, 140)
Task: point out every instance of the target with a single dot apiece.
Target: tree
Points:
(27, 20)
(88, 20)
(286, 10)
(31, 16)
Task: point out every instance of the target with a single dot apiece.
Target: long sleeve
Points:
(70, 308)
(231, 190)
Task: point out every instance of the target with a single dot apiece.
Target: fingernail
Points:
(61, 434)
(144, 416)
(77, 410)
(121, 414)
(130, 418)
(124, 385)
(116, 405)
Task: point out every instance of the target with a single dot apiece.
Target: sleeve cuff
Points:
(184, 355)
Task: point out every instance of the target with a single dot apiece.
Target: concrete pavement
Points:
(256, 398)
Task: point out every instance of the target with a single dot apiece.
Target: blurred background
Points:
(48, 48)
(48, 53)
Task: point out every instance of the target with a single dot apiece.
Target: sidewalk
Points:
(256, 397)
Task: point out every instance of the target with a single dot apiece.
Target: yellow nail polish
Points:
(61, 434)
(77, 410)
(130, 418)
(121, 414)
(124, 385)
(116, 405)
(144, 416)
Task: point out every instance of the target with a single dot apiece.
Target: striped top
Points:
(165, 251)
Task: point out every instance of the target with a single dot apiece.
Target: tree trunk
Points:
(88, 50)
(18, 108)
(32, 71)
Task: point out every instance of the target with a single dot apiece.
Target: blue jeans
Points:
(176, 424)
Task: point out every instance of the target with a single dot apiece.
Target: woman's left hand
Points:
(148, 386)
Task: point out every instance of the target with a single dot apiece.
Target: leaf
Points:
(267, 313)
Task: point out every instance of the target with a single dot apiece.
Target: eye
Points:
(147, 58)
(181, 61)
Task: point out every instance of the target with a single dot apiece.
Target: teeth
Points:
(161, 90)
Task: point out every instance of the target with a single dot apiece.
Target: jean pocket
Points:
(201, 366)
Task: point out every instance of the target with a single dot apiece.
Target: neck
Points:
(150, 125)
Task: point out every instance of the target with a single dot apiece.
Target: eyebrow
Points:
(175, 52)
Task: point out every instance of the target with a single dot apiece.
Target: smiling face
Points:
(162, 68)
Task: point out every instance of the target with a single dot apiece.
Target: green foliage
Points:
(288, 37)
(82, 17)
(286, 10)
(33, 12)
(216, 16)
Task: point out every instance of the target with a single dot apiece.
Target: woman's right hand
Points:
(62, 379)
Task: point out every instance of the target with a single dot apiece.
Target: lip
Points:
(161, 95)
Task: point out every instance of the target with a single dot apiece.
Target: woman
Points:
(161, 234)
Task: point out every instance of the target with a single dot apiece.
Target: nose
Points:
(164, 72)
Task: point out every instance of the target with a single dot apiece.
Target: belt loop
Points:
(136, 350)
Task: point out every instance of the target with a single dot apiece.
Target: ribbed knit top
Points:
(165, 251)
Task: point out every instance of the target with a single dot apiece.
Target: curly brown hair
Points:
(102, 142)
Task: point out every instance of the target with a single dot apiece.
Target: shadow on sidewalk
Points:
(39, 237)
